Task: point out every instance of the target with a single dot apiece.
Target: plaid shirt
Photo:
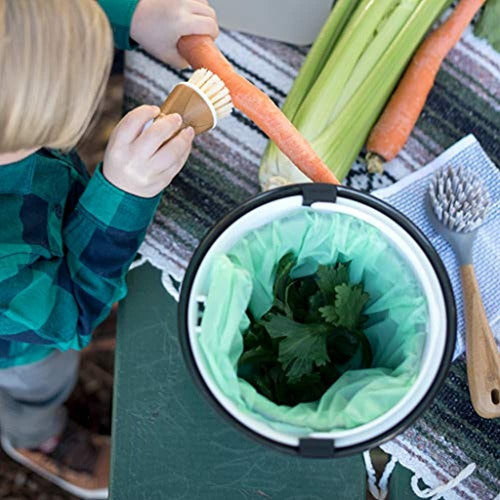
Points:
(120, 14)
(66, 243)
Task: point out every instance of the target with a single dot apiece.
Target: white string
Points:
(438, 491)
(370, 471)
(136, 263)
(380, 491)
(167, 281)
(384, 480)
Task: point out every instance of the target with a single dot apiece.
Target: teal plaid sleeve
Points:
(65, 248)
(109, 206)
(120, 14)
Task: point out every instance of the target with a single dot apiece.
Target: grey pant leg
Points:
(32, 397)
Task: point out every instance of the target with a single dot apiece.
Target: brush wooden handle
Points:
(483, 358)
(191, 107)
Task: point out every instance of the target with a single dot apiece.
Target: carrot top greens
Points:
(309, 337)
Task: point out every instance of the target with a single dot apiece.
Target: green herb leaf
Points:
(282, 278)
(303, 346)
(310, 336)
(297, 296)
(329, 314)
(329, 277)
(349, 349)
(257, 355)
(315, 301)
(255, 336)
(349, 302)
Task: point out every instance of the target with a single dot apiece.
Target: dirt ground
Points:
(90, 403)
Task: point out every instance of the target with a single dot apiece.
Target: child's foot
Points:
(79, 462)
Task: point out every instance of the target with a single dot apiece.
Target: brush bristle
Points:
(215, 90)
(459, 199)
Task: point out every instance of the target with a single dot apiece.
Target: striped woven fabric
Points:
(450, 436)
(222, 172)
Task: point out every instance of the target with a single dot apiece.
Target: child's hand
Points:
(157, 25)
(143, 163)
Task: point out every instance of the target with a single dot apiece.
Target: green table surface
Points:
(169, 443)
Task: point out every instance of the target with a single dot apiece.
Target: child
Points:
(66, 242)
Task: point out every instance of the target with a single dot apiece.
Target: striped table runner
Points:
(222, 172)
(451, 436)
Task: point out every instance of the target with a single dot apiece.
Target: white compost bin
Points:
(411, 244)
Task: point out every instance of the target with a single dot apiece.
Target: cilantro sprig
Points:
(309, 337)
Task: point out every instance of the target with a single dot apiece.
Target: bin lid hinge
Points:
(316, 448)
(312, 193)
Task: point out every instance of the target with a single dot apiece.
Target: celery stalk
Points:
(386, 33)
(318, 55)
(340, 143)
(313, 64)
(366, 87)
(328, 87)
(317, 75)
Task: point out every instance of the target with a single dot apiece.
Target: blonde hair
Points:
(55, 59)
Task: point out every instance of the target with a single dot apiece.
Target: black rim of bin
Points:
(311, 447)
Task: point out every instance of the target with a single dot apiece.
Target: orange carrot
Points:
(395, 124)
(201, 51)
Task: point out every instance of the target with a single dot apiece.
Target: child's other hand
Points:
(144, 163)
(158, 25)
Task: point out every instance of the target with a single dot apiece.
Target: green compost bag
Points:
(396, 326)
